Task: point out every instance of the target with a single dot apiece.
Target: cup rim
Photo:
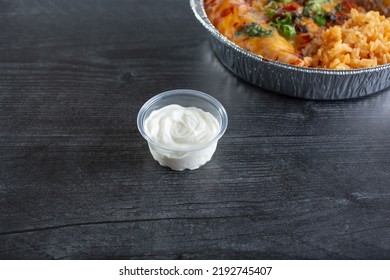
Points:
(177, 92)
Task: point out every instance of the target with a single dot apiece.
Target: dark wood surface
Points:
(291, 178)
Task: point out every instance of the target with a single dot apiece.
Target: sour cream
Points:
(183, 136)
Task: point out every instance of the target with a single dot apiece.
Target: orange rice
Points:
(362, 41)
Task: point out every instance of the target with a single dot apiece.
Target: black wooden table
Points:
(291, 178)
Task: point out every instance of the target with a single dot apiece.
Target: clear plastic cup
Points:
(183, 158)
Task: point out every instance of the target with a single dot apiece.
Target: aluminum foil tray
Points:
(303, 82)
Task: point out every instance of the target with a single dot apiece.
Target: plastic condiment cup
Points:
(183, 158)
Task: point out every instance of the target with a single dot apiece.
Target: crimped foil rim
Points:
(200, 13)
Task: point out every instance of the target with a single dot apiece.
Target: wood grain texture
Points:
(291, 178)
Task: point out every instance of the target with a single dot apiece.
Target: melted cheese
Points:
(231, 16)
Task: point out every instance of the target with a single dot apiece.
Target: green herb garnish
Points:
(307, 12)
(279, 22)
(320, 19)
(285, 26)
(314, 6)
(254, 30)
(313, 9)
(271, 5)
(271, 8)
(287, 31)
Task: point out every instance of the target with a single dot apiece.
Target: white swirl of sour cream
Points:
(182, 135)
(175, 126)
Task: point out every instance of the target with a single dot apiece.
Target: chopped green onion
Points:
(287, 31)
(288, 19)
(271, 8)
(271, 5)
(307, 12)
(278, 21)
(314, 5)
(320, 19)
